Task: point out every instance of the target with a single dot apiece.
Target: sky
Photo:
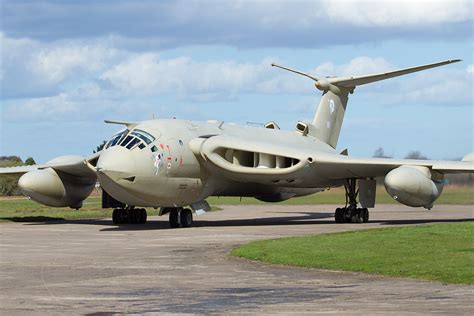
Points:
(66, 66)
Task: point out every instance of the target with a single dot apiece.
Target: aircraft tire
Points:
(174, 218)
(133, 216)
(186, 217)
(360, 216)
(116, 216)
(347, 216)
(123, 216)
(143, 216)
(365, 215)
(338, 215)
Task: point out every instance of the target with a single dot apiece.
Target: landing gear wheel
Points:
(186, 217)
(346, 215)
(122, 216)
(350, 213)
(354, 217)
(365, 215)
(174, 223)
(143, 216)
(338, 215)
(129, 215)
(133, 216)
(116, 216)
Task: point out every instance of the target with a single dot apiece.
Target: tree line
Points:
(9, 184)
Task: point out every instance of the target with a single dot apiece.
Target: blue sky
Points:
(68, 65)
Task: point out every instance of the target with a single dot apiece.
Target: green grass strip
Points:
(437, 252)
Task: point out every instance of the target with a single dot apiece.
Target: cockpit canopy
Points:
(131, 139)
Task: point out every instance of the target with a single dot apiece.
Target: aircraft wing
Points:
(263, 162)
(336, 167)
(74, 165)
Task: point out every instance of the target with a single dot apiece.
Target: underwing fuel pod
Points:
(175, 165)
(413, 186)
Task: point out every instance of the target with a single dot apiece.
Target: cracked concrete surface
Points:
(94, 267)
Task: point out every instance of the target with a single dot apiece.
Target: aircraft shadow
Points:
(300, 218)
(32, 219)
(305, 218)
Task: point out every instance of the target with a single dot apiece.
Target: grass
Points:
(460, 195)
(23, 210)
(19, 209)
(437, 252)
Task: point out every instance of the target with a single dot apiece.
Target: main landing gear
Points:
(179, 217)
(351, 213)
(129, 215)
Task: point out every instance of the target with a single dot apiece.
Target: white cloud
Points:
(277, 23)
(470, 69)
(362, 65)
(55, 64)
(75, 79)
(148, 74)
(31, 68)
(402, 13)
(52, 108)
(438, 87)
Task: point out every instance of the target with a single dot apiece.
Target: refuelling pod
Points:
(55, 188)
(414, 186)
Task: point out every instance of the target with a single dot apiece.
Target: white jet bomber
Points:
(176, 164)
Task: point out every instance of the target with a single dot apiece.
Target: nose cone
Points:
(116, 163)
(116, 171)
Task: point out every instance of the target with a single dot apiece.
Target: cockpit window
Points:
(133, 143)
(136, 138)
(146, 137)
(126, 140)
(116, 138)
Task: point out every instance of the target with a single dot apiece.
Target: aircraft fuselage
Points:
(167, 172)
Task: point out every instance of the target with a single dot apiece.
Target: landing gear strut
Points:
(350, 213)
(180, 217)
(129, 215)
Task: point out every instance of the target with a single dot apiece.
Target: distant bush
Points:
(30, 161)
(465, 179)
(9, 184)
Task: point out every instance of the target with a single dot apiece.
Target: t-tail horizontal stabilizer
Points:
(329, 116)
(353, 81)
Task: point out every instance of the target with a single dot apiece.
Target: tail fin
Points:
(329, 116)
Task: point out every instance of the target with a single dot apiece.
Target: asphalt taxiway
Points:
(95, 267)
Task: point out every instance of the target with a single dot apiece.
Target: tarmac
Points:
(94, 267)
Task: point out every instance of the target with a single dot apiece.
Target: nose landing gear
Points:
(351, 213)
(129, 215)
